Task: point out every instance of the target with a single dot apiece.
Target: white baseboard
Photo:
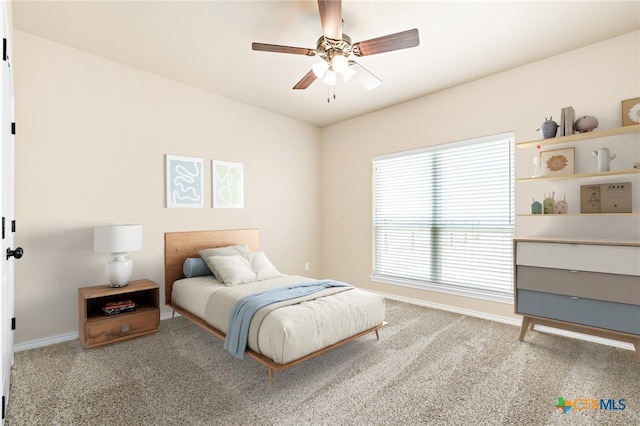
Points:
(511, 321)
(39, 343)
(32, 344)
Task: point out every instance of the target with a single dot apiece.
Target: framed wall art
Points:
(631, 112)
(184, 181)
(558, 162)
(227, 185)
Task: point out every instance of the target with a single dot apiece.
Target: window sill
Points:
(439, 288)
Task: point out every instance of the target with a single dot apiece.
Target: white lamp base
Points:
(119, 270)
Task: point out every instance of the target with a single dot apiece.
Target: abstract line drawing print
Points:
(184, 181)
(227, 184)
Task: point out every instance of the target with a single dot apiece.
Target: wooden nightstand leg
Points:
(636, 345)
(523, 328)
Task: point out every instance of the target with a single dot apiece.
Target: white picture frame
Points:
(227, 183)
(184, 182)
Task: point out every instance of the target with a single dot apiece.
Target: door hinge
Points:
(3, 221)
(13, 226)
(13, 323)
(4, 49)
(3, 404)
(13, 128)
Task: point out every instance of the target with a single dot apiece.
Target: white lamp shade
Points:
(117, 238)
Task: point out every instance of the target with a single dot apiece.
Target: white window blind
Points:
(443, 217)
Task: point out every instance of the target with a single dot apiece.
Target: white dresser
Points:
(590, 287)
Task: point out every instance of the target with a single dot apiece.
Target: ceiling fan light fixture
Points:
(330, 78)
(364, 77)
(320, 68)
(339, 64)
(347, 74)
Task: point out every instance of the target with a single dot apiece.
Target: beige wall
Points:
(593, 80)
(92, 135)
(90, 146)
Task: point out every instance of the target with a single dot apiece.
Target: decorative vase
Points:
(604, 159)
(549, 128)
(585, 124)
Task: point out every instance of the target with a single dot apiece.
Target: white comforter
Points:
(284, 331)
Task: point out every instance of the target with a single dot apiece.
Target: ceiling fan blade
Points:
(364, 77)
(331, 18)
(306, 81)
(397, 41)
(264, 47)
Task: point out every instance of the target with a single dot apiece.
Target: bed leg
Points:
(270, 378)
(173, 313)
(377, 335)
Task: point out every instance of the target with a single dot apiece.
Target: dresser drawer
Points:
(123, 326)
(596, 313)
(592, 285)
(613, 259)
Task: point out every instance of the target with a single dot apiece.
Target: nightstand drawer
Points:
(111, 329)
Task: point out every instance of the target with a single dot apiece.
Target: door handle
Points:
(17, 253)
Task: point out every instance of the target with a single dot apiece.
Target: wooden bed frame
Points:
(180, 245)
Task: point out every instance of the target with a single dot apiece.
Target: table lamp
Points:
(118, 240)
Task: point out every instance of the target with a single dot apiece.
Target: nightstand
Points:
(98, 329)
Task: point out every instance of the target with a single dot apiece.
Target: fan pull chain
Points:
(329, 93)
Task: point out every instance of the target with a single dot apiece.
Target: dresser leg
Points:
(636, 345)
(523, 328)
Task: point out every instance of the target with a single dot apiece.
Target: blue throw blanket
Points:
(245, 308)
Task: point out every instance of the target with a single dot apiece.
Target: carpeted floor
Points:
(429, 367)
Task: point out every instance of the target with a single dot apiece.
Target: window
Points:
(443, 218)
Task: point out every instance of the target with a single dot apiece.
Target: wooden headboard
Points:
(180, 245)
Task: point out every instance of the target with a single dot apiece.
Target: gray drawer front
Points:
(596, 313)
(591, 285)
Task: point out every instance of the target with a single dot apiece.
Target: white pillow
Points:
(243, 268)
(233, 270)
(222, 251)
(262, 267)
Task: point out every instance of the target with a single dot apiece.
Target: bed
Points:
(281, 334)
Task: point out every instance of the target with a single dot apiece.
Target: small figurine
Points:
(537, 162)
(586, 123)
(561, 207)
(548, 202)
(536, 207)
(549, 128)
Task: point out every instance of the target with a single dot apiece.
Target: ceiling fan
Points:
(336, 48)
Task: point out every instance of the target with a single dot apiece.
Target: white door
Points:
(7, 253)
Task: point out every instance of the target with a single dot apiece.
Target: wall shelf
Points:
(581, 175)
(625, 130)
(581, 136)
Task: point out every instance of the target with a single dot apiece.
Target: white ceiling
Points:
(207, 44)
